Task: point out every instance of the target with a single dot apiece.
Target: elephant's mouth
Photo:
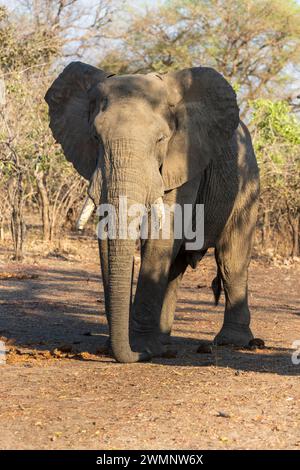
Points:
(157, 210)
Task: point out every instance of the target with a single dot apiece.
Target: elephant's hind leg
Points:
(233, 252)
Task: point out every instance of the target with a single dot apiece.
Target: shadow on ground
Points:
(64, 306)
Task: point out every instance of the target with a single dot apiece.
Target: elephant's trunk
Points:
(120, 259)
(122, 181)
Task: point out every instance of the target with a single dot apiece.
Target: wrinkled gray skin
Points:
(178, 136)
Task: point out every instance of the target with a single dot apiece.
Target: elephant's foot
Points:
(153, 345)
(106, 350)
(149, 343)
(234, 334)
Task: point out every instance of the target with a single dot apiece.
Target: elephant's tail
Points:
(216, 286)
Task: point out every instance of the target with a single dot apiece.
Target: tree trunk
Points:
(265, 229)
(1, 229)
(18, 227)
(40, 180)
(294, 222)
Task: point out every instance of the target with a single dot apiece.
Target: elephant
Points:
(175, 137)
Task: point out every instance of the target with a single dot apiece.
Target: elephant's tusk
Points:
(85, 214)
(159, 213)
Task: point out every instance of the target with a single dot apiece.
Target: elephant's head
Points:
(149, 134)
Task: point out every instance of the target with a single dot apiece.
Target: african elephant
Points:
(177, 136)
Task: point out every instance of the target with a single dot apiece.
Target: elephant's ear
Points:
(69, 108)
(206, 116)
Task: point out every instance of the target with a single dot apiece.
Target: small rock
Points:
(256, 343)
(222, 414)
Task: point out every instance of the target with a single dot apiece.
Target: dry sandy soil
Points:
(58, 391)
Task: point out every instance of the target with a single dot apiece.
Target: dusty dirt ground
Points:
(58, 392)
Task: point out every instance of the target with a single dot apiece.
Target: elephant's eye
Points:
(161, 138)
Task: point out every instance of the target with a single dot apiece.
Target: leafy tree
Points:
(34, 174)
(22, 49)
(254, 43)
(74, 27)
(277, 145)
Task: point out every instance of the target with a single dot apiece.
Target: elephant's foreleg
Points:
(233, 252)
(152, 290)
(149, 296)
(103, 251)
(169, 305)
